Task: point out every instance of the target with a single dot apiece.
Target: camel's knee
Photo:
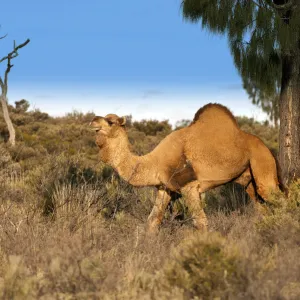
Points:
(195, 204)
(190, 188)
(155, 218)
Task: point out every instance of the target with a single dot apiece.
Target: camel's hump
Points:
(214, 108)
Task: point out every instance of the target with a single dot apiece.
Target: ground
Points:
(70, 228)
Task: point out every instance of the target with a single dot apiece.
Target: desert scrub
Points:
(17, 282)
(207, 267)
(8, 168)
(281, 221)
(65, 185)
(94, 246)
(10, 177)
(227, 198)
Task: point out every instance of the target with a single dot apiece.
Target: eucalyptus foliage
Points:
(260, 33)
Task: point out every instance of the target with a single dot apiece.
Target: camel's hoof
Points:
(201, 226)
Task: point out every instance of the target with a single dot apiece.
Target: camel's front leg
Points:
(192, 195)
(161, 202)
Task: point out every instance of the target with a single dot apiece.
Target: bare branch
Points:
(9, 66)
(14, 53)
(1, 83)
(9, 57)
(3, 37)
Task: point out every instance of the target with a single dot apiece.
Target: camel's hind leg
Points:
(161, 202)
(250, 190)
(246, 180)
(194, 203)
(263, 167)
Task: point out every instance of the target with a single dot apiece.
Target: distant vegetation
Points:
(70, 228)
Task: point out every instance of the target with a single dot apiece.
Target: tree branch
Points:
(9, 57)
(9, 66)
(14, 53)
(2, 37)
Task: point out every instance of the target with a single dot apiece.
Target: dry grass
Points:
(70, 228)
(91, 243)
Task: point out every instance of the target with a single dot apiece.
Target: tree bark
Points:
(289, 135)
(276, 122)
(11, 129)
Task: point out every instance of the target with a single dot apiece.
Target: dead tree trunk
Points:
(4, 88)
(10, 127)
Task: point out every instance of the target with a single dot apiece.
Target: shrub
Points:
(152, 127)
(207, 267)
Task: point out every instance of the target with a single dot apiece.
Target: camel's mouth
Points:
(97, 125)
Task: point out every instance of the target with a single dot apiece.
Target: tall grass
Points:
(70, 228)
(71, 231)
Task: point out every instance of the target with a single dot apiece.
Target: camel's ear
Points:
(114, 119)
(122, 121)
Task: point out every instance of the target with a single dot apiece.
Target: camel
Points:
(211, 151)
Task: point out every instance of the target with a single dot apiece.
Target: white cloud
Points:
(174, 105)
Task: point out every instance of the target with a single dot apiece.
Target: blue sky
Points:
(135, 56)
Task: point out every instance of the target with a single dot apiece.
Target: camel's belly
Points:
(217, 166)
(217, 155)
(176, 178)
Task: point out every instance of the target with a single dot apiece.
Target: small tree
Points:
(152, 127)
(4, 88)
(182, 123)
(21, 106)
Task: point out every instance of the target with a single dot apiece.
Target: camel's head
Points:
(107, 127)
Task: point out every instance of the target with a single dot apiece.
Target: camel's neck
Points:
(137, 170)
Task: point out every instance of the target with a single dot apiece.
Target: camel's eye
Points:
(109, 122)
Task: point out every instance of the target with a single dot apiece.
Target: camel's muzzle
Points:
(97, 124)
(96, 129)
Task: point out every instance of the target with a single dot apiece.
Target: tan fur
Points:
(209, 152)
(224, 152)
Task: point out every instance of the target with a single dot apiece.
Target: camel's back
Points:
(214, 142)
(213, 124)
(216, 116)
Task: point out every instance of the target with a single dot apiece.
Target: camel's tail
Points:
(265, 168)
(281, 185)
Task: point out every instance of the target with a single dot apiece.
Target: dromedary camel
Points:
(208, 153)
